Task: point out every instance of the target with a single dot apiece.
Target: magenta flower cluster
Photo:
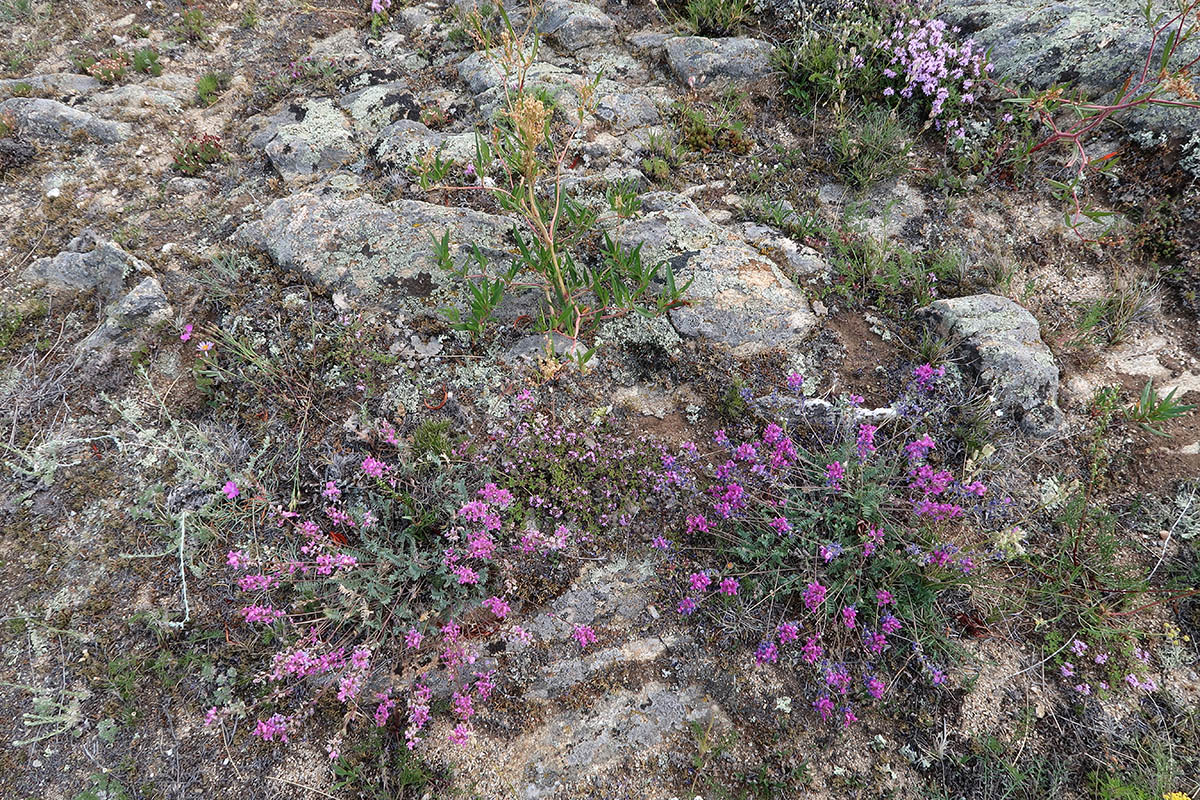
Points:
(924, 60)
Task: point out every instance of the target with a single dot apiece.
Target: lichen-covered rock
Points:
(574, 26)
(86, 265)
(485, 79)
(373, 107)
(52, 121)
(1093, 45)
(308, 139)
(405, 142)
(738, 297)
(378, 253)
(671, 227)
(130, 321)
(797, 260)
(697, 60)
(623, 109)
(1002, 344)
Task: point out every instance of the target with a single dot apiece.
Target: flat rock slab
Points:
(379, 253)
(738, 297)
(1003, 345)
(672, 226)
(169, 94)
(696, 60)
(52, 121)
(63, 84)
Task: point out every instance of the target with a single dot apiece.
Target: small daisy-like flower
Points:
(205, 347)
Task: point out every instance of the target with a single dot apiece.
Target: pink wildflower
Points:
(849, 616)
(814, 596)
(584, 635)
(700, 581)
(497, 606)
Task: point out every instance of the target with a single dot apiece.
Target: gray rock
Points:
(345, 47)
(740, 299)
(623, 109)
(130, 321)
(63, 84)
(574, 26)
(52, 121)
(737, 298)
(405, 142)
(308, 139)
(619, 725)
(86, 265)
(700, 60)
(1092, 45)
(376, 106)
(1002, 344)
(135, 101)
(485, 80)
(672, 227)
(377, 253)
(796, 259)
(648, 40)
(530, 349)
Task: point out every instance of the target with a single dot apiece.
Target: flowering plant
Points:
(843, 523)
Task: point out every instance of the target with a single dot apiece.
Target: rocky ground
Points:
(263, 185)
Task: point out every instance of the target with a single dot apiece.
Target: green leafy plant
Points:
(209, 87)
(193, 26)
(146, 62)
(198, 154)
(527, 151)
(1151, 411)
(719, 126)
(656, 169)
(249, 19)
(623, 199)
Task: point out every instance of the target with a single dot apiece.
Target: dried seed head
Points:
(530, 115)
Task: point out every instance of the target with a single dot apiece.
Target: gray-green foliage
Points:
(873, 148)
(717, 17)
